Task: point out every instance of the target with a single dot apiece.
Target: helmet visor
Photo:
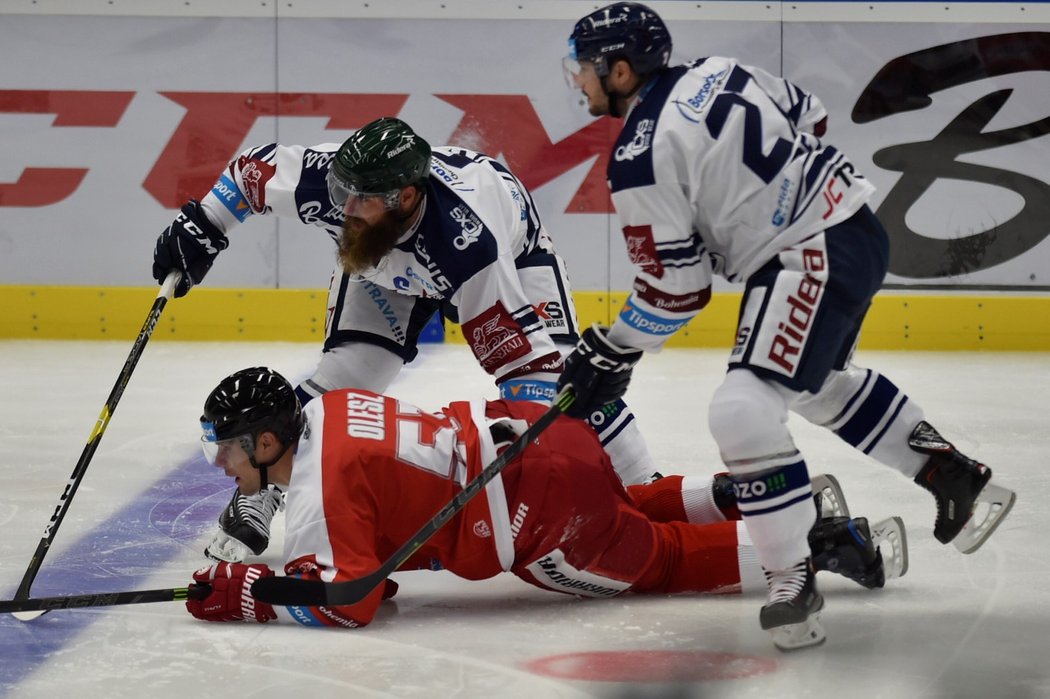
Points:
(344, 194)
(234, 448)
(576, 71)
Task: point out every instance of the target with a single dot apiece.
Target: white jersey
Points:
(716, 171)
(477, 223)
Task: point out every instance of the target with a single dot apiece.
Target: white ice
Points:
(954, 626)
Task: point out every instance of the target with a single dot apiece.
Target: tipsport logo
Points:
(984, 127)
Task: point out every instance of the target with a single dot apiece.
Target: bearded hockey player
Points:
(419, 231)
(363, 472)
(720, 169)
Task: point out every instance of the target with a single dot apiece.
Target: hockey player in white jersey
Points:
(720, 169)
(419, 231)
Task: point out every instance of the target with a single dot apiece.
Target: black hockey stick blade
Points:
(295, 592)
(165, 293)
(103, 599)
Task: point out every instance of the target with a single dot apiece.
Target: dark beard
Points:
(361, 252)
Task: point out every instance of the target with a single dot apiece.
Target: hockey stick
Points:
(166, 290)
(103, 599)
(296, 592)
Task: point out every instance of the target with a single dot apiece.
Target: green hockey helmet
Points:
(378, 161)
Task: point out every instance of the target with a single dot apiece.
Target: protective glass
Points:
(342, 193)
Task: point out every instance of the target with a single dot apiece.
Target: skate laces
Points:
(786, 585)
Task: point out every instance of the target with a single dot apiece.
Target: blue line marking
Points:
(120, 554)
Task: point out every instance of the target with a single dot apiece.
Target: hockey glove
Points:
(244, 526)
(190, 245)
(597, 371)
(231, 594)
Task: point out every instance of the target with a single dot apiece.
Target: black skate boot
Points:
(851, 548)
(244, 526)
(959, 484)
(792, 610)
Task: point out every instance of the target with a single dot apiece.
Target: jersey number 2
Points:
(766, 166)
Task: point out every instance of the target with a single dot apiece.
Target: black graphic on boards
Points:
(905, 84)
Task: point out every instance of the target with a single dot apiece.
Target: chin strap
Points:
(264, 480)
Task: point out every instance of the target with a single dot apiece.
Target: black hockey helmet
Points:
(378, 160)
(249, 402)
(627, 30)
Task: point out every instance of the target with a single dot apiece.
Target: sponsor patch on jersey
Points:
(227, 192)
(676, 303)
(649, 323)
(642, 250)
(256, 174)
(379, 296)
(643, 138)
(471, 225)
(495, 338)
(523, 389)
(785, 198)
(693, 107)
(552, 314)
(482, 529)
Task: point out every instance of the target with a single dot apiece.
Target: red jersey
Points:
(369, 471)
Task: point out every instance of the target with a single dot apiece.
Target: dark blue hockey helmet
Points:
(627, 30)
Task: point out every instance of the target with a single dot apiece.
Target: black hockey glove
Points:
(597, 371)
(189, 245)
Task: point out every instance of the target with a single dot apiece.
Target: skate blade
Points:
(990, 509)
(29, 616)
(797, 636)
(832, 500)
(891, 539)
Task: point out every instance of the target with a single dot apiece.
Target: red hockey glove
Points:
(231, 597)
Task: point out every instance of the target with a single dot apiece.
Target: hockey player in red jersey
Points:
(363, 472)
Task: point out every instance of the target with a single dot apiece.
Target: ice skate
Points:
(244, 526)
(828, 496)
(792, 610)
(969, 505)
(867, 555)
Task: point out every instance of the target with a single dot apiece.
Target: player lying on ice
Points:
(419, 231)
(363, 472)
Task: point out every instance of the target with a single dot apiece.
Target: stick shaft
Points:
(103, 599)
(166, 290)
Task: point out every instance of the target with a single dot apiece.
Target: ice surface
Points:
(954, 626)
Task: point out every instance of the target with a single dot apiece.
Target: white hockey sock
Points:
(698, 501)
(752, 578)
(624, 443)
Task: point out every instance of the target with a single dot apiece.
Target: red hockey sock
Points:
(661, 500)
(693, 558)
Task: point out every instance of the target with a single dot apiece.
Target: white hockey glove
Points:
(244, 526)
